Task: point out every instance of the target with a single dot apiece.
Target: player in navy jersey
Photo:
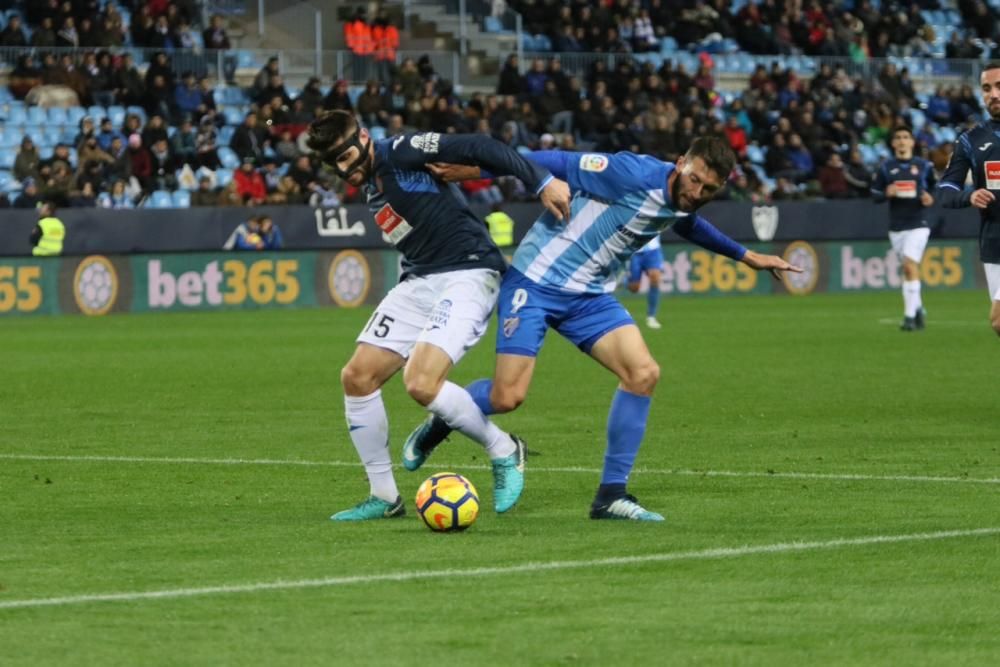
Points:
(907, 183)
(978, 151)
(648, 259)
(563, 277)
(442, 304)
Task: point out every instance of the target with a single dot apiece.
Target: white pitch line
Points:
(530, 567)
(843, 477)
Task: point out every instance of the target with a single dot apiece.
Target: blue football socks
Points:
(652, 300)
(626, 427)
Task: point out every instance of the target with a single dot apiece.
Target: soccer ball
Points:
(447, 502)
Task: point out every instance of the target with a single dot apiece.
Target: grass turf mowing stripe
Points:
(848, 477)
(530, 567)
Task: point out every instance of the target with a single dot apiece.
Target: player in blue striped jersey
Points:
(647, 260)
(563, 276)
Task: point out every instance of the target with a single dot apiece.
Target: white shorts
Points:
(448, 310)
(910, 243)
(993, 280)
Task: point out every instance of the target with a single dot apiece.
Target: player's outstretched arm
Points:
(772, 263)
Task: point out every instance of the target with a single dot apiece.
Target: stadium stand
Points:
(787, 86)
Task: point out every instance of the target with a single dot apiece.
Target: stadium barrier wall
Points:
(139, 283)
(94, 230)
(102, 284)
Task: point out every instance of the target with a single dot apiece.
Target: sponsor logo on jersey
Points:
(765, 221)
(397, 141)
(906, 189)
(440, 315)
(394, 226)
(591, 162)
(992, 168)
(914, 170)
(427, 142)
(986, 145)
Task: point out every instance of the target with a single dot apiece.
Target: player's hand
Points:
(771, 263)
(926, 198)
(891, 190)
(451, 173)
(982, 198)
(555, 197)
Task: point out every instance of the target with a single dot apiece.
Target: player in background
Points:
(442, 304)
(978, 150)
(563, 276)
(907, 182)
(648, 259)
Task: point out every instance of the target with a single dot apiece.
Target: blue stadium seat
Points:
(10, 137)
(73, 116)
(947, 134)
(492, 24)
(137, 111)
(117, 115)
(225, 135)
(5, 95)
(37, 116)
(233, 115)
(37, 134)
(668, 45)
(7, 157)
(16, 116)
(57, 116)
(97, 112)
(228, 157)
(182, 199)
(377, 132)
(223, 177)
(5, 179)
(53, 134)
(160, 199)
(755, 154)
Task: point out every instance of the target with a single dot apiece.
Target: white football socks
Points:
(911, 297)
(369, 425)
(454, 405)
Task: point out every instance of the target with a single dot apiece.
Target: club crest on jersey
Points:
(591, 162)
(914, 170)
(510, 325)
(426, 142)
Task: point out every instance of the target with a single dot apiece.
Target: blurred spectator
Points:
(85, 198)
(249, 139)
(260, 82)
(184, 143)
(510, 78)
(117, 197)
(206, 149)
(107, 134)
(311, 95)
(127, 82)
(163, 166)
(246, 236)
(205, 195)
(215, 36)
(27, 161)
(832, 180)
(386, 42)
(338, 98)
(67, 36)
(270, 234)
(86, 130)
(370, 104)
(44, 36)
(187, 96)
(141, 165)
(29, 197)
(13, 35)
(155, 130)
(286, 148)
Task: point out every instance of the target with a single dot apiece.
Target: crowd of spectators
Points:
(862, 29)
(795, 136)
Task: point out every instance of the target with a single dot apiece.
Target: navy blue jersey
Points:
(428, 220)
(977, 150)
(912, 178)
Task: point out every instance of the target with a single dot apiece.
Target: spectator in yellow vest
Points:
(48, 234)
(501, 227)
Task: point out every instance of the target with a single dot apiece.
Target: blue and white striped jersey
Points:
(620, 203)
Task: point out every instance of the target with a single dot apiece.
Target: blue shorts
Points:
(644, 261)
(526, 310)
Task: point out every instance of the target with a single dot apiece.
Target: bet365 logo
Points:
(262, 282)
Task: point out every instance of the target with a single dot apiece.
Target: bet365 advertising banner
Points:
(101, 284)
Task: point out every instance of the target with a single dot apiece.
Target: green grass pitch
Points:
(823, 476)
